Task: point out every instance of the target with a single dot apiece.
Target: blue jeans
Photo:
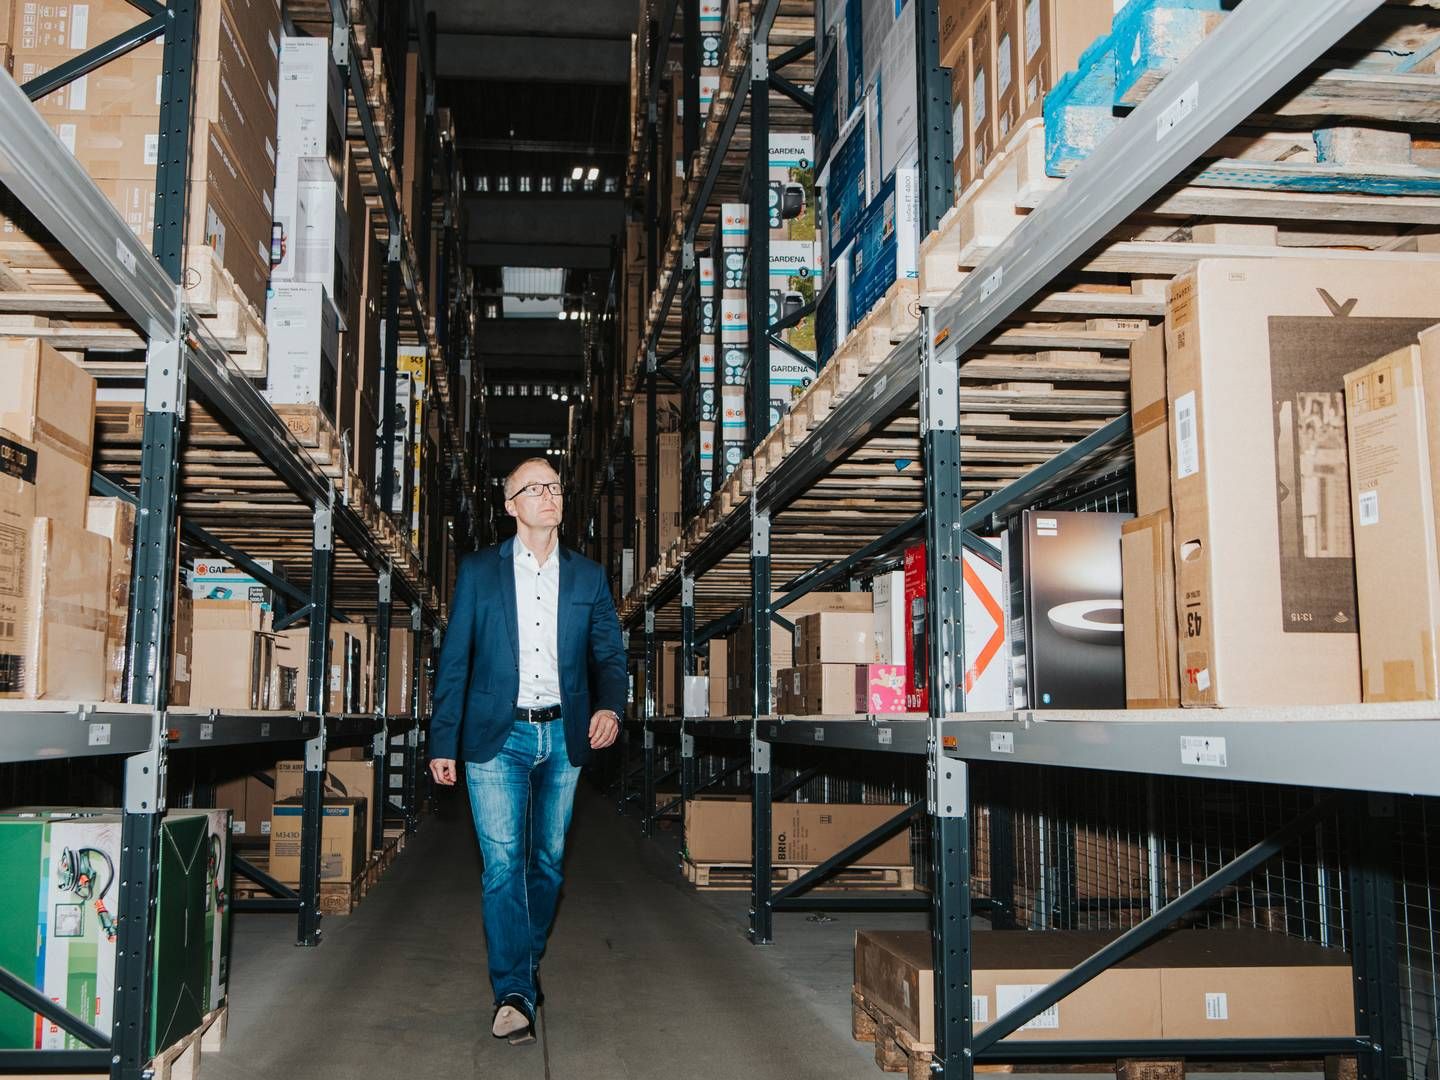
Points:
(521, 801)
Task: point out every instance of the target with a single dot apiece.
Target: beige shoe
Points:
(513, 1022)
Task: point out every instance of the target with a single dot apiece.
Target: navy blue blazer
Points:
(477, 682)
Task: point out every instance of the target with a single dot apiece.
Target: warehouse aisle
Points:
(645, 979)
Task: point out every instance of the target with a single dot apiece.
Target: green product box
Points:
(59, 902)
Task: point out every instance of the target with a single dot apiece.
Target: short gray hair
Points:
(528, 461)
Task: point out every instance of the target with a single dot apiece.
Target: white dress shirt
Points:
(537, 607)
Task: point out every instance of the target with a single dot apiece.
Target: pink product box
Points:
(880, 688)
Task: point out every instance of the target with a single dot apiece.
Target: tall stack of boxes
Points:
(668, 422)
(310, 249)
(110, 120)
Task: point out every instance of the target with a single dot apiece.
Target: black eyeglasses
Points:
(534, 491)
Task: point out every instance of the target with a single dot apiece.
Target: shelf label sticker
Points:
(1002, 742)
(125, 255)
(1203, 750)
(885, 736)
(1217, 1007)
(1008, 998)
(265, 730)
(207, 731)
(99, 735)
(991, 283)
(878, 385)
(1176, 112)
(819, 734)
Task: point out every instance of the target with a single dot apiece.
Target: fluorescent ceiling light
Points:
(593, 174)
(576, 173)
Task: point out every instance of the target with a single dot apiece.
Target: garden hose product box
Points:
(1392, 411)
(1257, 354)
(342, 839)
(59, 906)
(1067, 612)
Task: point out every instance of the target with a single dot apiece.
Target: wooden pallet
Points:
(730, 877)
(336, 897)
(896, 1049)
(182, 1061)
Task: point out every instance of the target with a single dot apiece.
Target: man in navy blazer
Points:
(532, 677)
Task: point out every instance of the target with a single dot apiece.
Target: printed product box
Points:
(343, 780)
(888, 244)
(846, 183)
(1392, 411)
(987, 646)
(1152, 646)
(342, 840)
(898, 96)
(1257, 358)
(220, 579)
(795, 278)
(880, 688)
(1066, 599)
(304, 334)
(888, 626)
(791, 202)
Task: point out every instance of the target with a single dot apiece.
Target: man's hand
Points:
(443, 771)
(604, 729)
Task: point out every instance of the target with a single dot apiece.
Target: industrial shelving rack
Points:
(1350, 759)
(351, 569)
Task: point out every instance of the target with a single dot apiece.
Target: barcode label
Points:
(1217, 1007)
(1370, 508)
(1012, 997)
(1187, 442)
(979, 1009)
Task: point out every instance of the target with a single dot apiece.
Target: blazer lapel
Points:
(567, 582)
(507, 595)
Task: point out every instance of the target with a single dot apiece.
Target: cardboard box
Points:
(399, 684)
(70, 585)
(1066, 601)
(719, 676)
(1257, 358)
(827, 689)
(962, 143)
(834, 637)
(880, 688)
(304, 336)
(983, 104)
(49, 403)
(717, 830)
(182, 648)
(1152, 645)
(348, 690)
(250, 801)
(343, 780)
(956, 17)
(114, 519)
(1150, 422)
(342, 840)
(17, 519)
(1009, 67)
(232, 655)
(1054, 33)
(1392, 414)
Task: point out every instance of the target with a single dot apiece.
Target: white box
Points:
(697, 696)
(734, 224)
(898, 93)
(303, 328)
(313, 228)
(888, 604)
(311, 110)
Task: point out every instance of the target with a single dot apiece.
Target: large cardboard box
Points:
(49, 403)
(956, 17)
(1152, 645)
(348, 690)
(1053, 35)
(114, 519)
(717, 830)
(402, 662)
(1257, 355)
(342, 840)
(250, 801)
(232, 655)
(718, 668)
(17, 518)
(182, 648)
(70, 584)
(1150, 422)
(827, 689)
(343, 780)
(1392, 411)
(834, 637)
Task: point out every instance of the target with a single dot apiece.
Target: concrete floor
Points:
(645, 977)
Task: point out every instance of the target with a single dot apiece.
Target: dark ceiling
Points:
(538, 89)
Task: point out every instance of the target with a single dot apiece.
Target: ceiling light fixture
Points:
(593, 174)
(576, 173)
